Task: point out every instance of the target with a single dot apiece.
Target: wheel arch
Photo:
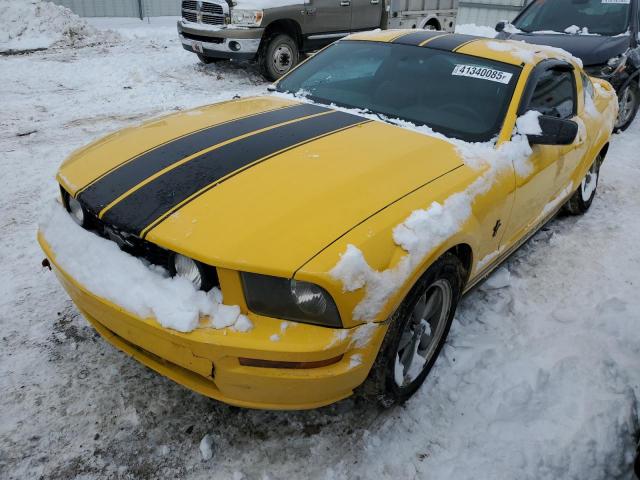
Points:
(283, 25)
(431, 21)
(460, 246)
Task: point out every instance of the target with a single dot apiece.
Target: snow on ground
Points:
(538, 380)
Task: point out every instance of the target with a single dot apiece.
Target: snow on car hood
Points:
(260, 184)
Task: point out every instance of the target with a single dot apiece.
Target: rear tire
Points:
(582, 198)
(394, 377)
(628, 101)
(278, 56)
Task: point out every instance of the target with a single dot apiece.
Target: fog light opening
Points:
(255, 362)
(235, 46)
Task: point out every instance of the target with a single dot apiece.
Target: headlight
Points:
(202, 276)
(251, 18)
(76, 211)
(290, 300)
(614, 66)
(73, 206)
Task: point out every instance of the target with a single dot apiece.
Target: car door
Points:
(551, 91)
(325, 17)
(365, 14)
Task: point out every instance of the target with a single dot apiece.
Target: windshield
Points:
(603, 17)
(457, 95)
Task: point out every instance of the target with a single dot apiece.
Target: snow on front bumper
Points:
(207, 360)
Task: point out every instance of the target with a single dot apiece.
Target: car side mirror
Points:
(555, 131)
(500, 26)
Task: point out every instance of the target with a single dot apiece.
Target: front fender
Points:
(374, 238)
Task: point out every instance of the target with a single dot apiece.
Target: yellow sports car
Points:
(286, 251)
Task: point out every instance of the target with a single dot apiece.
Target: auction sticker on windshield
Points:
(483, 73)
(623, 2)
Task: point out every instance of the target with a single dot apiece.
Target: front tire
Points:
(628, 102)
(278, 56)
(416, 335)
(582, 198)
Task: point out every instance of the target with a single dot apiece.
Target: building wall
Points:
(122, 8)
(488, 12)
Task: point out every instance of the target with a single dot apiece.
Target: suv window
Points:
(603, 17)
(555, 94)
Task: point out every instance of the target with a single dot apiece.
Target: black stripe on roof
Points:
(451, 42)
(417, 37)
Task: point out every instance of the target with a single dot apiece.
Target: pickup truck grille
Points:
(213, 19)
(190, 16)
(203, 12)
(212, 8)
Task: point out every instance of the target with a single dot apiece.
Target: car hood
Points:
(259, 184)
(591, 49)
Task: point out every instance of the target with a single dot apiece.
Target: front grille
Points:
(127, 242)
(212, 20)
(209, 13)
(212, 8)
(138, 247)
(190, 16)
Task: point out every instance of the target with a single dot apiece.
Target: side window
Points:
(587, 86)
(555, 94)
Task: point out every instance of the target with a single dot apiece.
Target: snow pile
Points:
(102, 268)
(477, 30)
(424, 230)
(37, 24)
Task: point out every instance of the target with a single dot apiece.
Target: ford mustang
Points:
(286, 251)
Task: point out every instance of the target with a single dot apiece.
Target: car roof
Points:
(506, 51)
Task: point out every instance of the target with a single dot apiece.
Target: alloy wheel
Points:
(423, 332)
(589, 182)
(627, 104)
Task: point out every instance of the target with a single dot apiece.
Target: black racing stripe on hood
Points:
(152, 202)
(416, 38)
(126, 176)
(450, 43)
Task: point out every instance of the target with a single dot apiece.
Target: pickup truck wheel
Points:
(628, 102)
(581, 200)
(416, 335)
(279, 55)
(207, 60)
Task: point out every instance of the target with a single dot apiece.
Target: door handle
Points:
(375, 2)
(345, 3)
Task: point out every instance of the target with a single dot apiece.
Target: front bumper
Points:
(220, 42)
(207, 360)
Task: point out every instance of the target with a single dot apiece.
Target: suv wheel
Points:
(628, 100)
(279, 55)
